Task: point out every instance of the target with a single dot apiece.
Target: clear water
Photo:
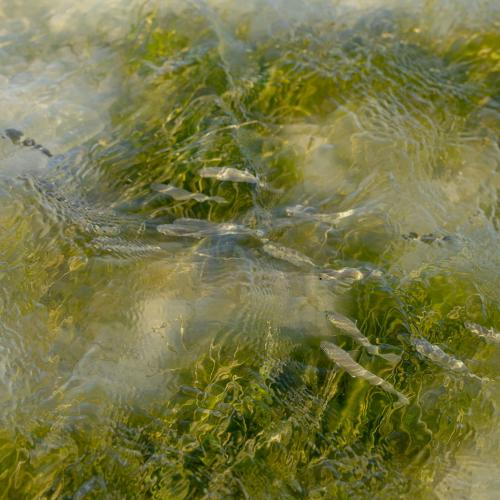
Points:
(146, 355)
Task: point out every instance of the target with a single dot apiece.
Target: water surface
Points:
(249, 249)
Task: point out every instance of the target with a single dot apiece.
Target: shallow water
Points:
(223, 178)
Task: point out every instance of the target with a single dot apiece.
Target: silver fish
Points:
(481, 331)
(123, 247)
(309, 213)
(348, 274)
(438, 356)
(180, 194)
(198, 229)
(348, 327)
(354, 369)
(287, 254)
(300, 211)
(228, 174)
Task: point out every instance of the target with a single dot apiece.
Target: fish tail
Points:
(391, 358)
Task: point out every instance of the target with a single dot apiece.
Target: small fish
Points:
(438, 356)
(180, 194)
(300, 211)
(348, 274)
(481, 331)
(354, 369)
(309, 213)
(16, 135)
(348, 327)
(228, 174)
(288, 255)
(122, 247)
(198, 229)
(427, 238)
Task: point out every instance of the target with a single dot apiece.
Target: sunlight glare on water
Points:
(249, 249)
